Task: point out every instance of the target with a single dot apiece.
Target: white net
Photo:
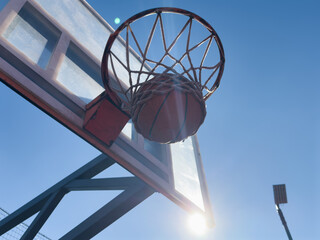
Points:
(18, 231)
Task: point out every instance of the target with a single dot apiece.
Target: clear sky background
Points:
(262, 128)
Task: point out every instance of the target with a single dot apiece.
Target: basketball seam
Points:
(156, 116)
(184, 121)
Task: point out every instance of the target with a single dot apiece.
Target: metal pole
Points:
(283, 221)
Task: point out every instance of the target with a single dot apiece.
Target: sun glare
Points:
(197, 224)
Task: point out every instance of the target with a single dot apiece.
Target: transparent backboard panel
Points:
(3, 3)
(33, 36)
(185, 171)
(156, 149)
(80, 75)
(89, 30)
(127, 130)
(80, 22)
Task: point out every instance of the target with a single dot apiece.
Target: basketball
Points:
(168, 108)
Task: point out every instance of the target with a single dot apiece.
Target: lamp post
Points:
(280, 197)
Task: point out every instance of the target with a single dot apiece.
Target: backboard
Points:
(50, 53)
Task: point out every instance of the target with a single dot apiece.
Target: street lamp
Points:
(280, 197)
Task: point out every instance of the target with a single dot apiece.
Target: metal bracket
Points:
(135, 192)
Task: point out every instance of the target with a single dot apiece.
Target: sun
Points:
(197, 224)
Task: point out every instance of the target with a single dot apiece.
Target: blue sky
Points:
(262, 128)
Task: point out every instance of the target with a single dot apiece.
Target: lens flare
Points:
(117, 20)
(197, 224)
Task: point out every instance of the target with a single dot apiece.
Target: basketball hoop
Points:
(166, 101)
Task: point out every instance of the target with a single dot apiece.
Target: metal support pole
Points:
(284, 223)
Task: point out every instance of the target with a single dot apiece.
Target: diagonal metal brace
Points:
(43, 215)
